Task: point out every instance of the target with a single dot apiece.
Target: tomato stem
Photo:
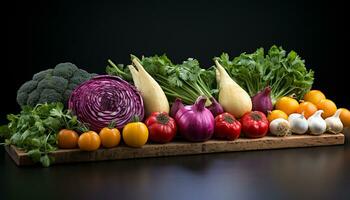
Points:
(135, 118)
(229, 119)
(255, 116)
(162, 118)
(112, 124)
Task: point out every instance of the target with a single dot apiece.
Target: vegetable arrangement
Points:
(251, 96)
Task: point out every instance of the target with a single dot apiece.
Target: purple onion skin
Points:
(262, 101)
(195, 122)
(177, 105)
(103, 99)
(215, 108)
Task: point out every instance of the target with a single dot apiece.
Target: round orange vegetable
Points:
(307, 108)
(275, 114)
(110, 137)
(314, 96)
(345, 117)
(67, 139)
(328, 107)
(89, 141)
(135, 134)
(287, 105)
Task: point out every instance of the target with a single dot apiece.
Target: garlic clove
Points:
(298, 123)
(317, 124)
(334, 124)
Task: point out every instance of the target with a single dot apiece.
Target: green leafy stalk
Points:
(286, 74)
(187, 80)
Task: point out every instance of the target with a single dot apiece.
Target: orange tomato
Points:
(110, 137)
(345, 117)
(307, 108)
(314, 96)
(275, 114)
(89, 141)
(67, 139)
(328, 107)
(287, 105)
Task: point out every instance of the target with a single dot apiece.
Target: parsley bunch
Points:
(35, 130)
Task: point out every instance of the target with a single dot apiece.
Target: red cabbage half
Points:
(105, 98)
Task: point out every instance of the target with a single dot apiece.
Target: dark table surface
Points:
(303, 173)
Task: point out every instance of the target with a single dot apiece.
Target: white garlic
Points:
(298, 123)
(334, 124)
(280, 127)
(317, 124)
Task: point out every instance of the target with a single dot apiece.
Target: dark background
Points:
(41, 34)
(87, 33)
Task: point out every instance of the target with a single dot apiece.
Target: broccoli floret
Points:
(50, 95)
(43, 74)
(71, 86)
(33, 98)
(55, 82)
(29, 86)
(66, 95)
(65, 70)
(80, 76)
(22, 98)
(52, 85)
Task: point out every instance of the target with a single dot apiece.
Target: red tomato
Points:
(161, 127)
(254, 124)
(227, 127)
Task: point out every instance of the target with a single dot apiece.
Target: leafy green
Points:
(286, 74)
(186, 80)
(35, 129)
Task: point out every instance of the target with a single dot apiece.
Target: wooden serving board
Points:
(182, 148)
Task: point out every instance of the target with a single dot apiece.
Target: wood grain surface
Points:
(178, 148)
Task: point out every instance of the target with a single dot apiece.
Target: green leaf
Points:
(53, 123)
(5, 132)
(35, 155)
(45, 160)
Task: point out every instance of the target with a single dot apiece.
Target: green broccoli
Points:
(52, 85)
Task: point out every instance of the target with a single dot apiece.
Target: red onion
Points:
(262, 101)
(104, 99)
(195, 122)
(175, 107)
(215, 108)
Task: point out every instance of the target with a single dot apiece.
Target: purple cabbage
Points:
(103, 99)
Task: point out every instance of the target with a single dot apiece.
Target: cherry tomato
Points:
(254, 124)
(227, 127)
(161, 127)
(89, 141)
(67, 139)
(110, 137)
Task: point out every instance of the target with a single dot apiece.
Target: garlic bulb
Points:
(280, 127)
(317, 124)
(298, 123)
(334, 124)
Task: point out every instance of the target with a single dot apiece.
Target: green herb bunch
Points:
(35, 130)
